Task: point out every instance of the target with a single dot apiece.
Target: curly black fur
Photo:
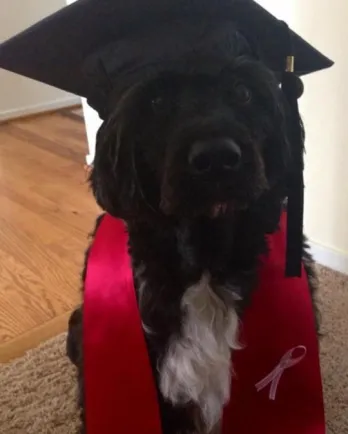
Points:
(141, 174)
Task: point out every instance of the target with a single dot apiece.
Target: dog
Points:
(196, 166)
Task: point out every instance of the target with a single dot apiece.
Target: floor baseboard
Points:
(33, 338)
(39, 108)
(330, 258)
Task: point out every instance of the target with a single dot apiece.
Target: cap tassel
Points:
(292, 88)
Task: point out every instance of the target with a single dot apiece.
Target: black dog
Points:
(196, 166)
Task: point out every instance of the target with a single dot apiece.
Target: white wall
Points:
(282, 9)
(92, 122)
(20, 95)
(325, 109)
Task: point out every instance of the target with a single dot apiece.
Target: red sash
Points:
(276, 387)
(120, 394)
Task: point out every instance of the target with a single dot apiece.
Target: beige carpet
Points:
(37, 392)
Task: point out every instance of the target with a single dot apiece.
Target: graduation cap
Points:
(98, 48)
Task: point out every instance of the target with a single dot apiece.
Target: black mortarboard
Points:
(97, 48)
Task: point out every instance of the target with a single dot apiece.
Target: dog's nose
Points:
(217, 154)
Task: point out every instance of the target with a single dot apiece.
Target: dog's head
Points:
(182, 146)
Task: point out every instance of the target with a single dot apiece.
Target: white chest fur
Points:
(197, 364)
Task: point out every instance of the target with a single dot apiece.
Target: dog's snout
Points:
(217, 154)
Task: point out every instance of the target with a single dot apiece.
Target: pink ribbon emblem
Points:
(286, 362)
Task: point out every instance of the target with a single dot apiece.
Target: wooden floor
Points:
(46, 212)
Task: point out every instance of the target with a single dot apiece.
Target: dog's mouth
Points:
(215, 211)
(195, 207)
(220, 209)
(225, 209)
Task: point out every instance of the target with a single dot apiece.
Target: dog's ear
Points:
(111, 177)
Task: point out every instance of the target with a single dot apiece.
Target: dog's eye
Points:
(242, 93)
(157, 102)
